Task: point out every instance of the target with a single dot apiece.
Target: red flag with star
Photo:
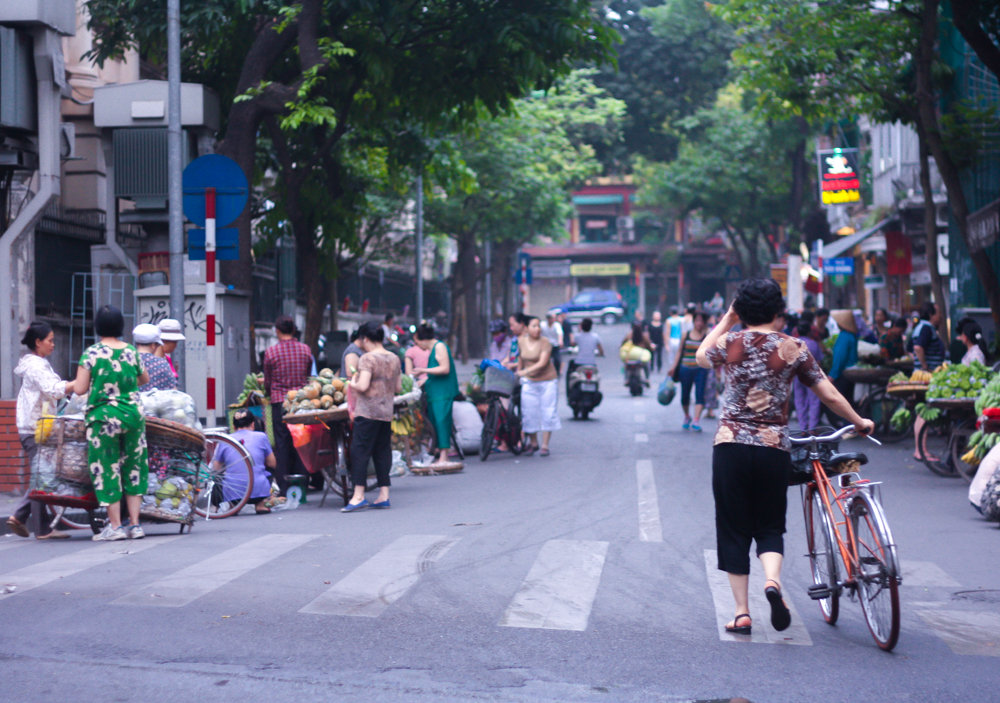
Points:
(898, 254)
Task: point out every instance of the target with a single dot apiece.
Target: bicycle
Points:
(502, 424)
(861, 537)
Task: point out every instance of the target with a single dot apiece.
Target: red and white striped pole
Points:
(210, 306)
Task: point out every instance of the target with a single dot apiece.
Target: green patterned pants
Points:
(116, 453)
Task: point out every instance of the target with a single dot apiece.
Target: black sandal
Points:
(740, 629)
(781, 618)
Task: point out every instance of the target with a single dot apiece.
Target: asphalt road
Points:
(580, 576)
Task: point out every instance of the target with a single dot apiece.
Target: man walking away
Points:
(552, 331)
(286, 368)
(567, 329)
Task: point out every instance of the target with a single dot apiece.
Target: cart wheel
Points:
(96, 523)
(345, 490)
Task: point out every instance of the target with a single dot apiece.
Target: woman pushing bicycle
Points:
(751, 463)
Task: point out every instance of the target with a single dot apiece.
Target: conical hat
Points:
(845, 320)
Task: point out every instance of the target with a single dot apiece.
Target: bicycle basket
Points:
(801, 464)
(499, 381)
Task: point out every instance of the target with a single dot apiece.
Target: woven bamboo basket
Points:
(166, 434)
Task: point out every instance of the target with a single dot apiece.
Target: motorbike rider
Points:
(589, 347)
(637, 347)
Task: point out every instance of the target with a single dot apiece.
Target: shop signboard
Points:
(779, 272)
(558, 268)
(839, 182)
(874, 282)
(984, 226)
(843, 265)
(600, 269)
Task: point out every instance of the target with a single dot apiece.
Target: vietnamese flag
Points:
(898, 254)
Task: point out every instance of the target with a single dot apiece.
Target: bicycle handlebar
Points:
(802, 441)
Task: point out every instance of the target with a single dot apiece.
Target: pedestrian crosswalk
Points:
(557, 592)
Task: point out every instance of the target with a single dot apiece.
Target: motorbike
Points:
(635, 376)
(583, 394)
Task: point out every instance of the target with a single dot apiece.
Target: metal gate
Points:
(90, 292)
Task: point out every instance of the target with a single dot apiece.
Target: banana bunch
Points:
(403, 425)
(979, 444)
(253, 383)
(921, 376)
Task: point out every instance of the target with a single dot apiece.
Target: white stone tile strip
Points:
(193, 582)
(51, 570)
(926, 574)
(9, 542)
(966, 631)
(760, 610)
(650, 529)
(560, 588)
(640, 418)
(641, 437)
(382, 580)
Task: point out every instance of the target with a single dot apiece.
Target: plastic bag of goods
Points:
(173, 496)
(171, 405)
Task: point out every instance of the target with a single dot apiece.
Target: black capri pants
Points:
(750, 484)
(371, 439)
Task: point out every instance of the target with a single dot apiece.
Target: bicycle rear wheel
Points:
(879, 407)
(878, 574)
(822, 558)
(490, 426)
(229, 486)
(958, 445)
(514, 438)
(933, 447)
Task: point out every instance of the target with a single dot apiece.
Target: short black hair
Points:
(244, 418)
(901, 322)
(425, 331)
(354, 336)
(927, 310)
(372, 331)
(700, 313)
(524, 319)
(804, 328)
(821, 312)
(807, 316)
(109, 322)
(285, 324)
(36, 332)
(586, 324)
(389, 317)
(758, 301)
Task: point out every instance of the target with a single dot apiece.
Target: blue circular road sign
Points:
(231, 189)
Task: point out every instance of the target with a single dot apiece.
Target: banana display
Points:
(252, 384)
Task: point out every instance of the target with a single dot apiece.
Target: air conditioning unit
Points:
(626, 228)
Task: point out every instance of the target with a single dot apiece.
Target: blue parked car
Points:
(603, 305)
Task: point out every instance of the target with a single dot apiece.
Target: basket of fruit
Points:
(958, 384)
(916, 384)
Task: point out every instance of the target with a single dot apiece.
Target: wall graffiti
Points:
(195, 317)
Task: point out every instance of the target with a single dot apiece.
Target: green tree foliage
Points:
(672, 59)
(518, 168)
(727, 171)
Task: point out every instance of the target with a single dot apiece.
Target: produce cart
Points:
(871, 375)
(336, 459)
(61, 476)
(946, 438)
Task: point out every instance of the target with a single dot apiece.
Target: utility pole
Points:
(419, 248)
(174, 167)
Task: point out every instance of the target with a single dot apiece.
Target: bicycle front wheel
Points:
(958, 445)
(514, 440)
(489, 429)
(822, 557)
(229, 486)
(877, 571)
(933, 441)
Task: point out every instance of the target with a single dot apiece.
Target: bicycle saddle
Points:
(847, 456)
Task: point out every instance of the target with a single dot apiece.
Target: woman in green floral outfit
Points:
(110, 373)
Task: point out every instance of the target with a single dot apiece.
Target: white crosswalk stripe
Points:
(199, 579)
(382, 580)
(650, 529)
(640, 418)
(926, 574)
(7, 543)
(560, 588)
(760, 610)
(966, 631)
(45, 572)
(641, 437)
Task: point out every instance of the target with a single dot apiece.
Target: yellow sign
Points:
(599, 270)
(779, 272)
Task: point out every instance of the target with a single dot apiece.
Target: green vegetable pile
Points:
(899, 378)
(959, 381)
(407, 382)
(253, 383)
(990, 397)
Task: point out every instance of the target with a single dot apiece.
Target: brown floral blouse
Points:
(759, 372)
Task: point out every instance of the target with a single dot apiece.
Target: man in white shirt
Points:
(388, 328)
(588, 348)
(552, 331)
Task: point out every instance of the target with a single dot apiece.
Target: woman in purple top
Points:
(261, 455)
(807, 404)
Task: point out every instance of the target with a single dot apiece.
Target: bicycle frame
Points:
(848, 486)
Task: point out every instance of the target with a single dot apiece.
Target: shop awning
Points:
(844, 245)
(611, 199)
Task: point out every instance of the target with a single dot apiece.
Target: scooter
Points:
(583, 394)
(635, 376)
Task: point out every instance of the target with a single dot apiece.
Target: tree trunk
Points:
(926, 105)
(930, 233)
(800, 176)
(334, 306)
(467, 274)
